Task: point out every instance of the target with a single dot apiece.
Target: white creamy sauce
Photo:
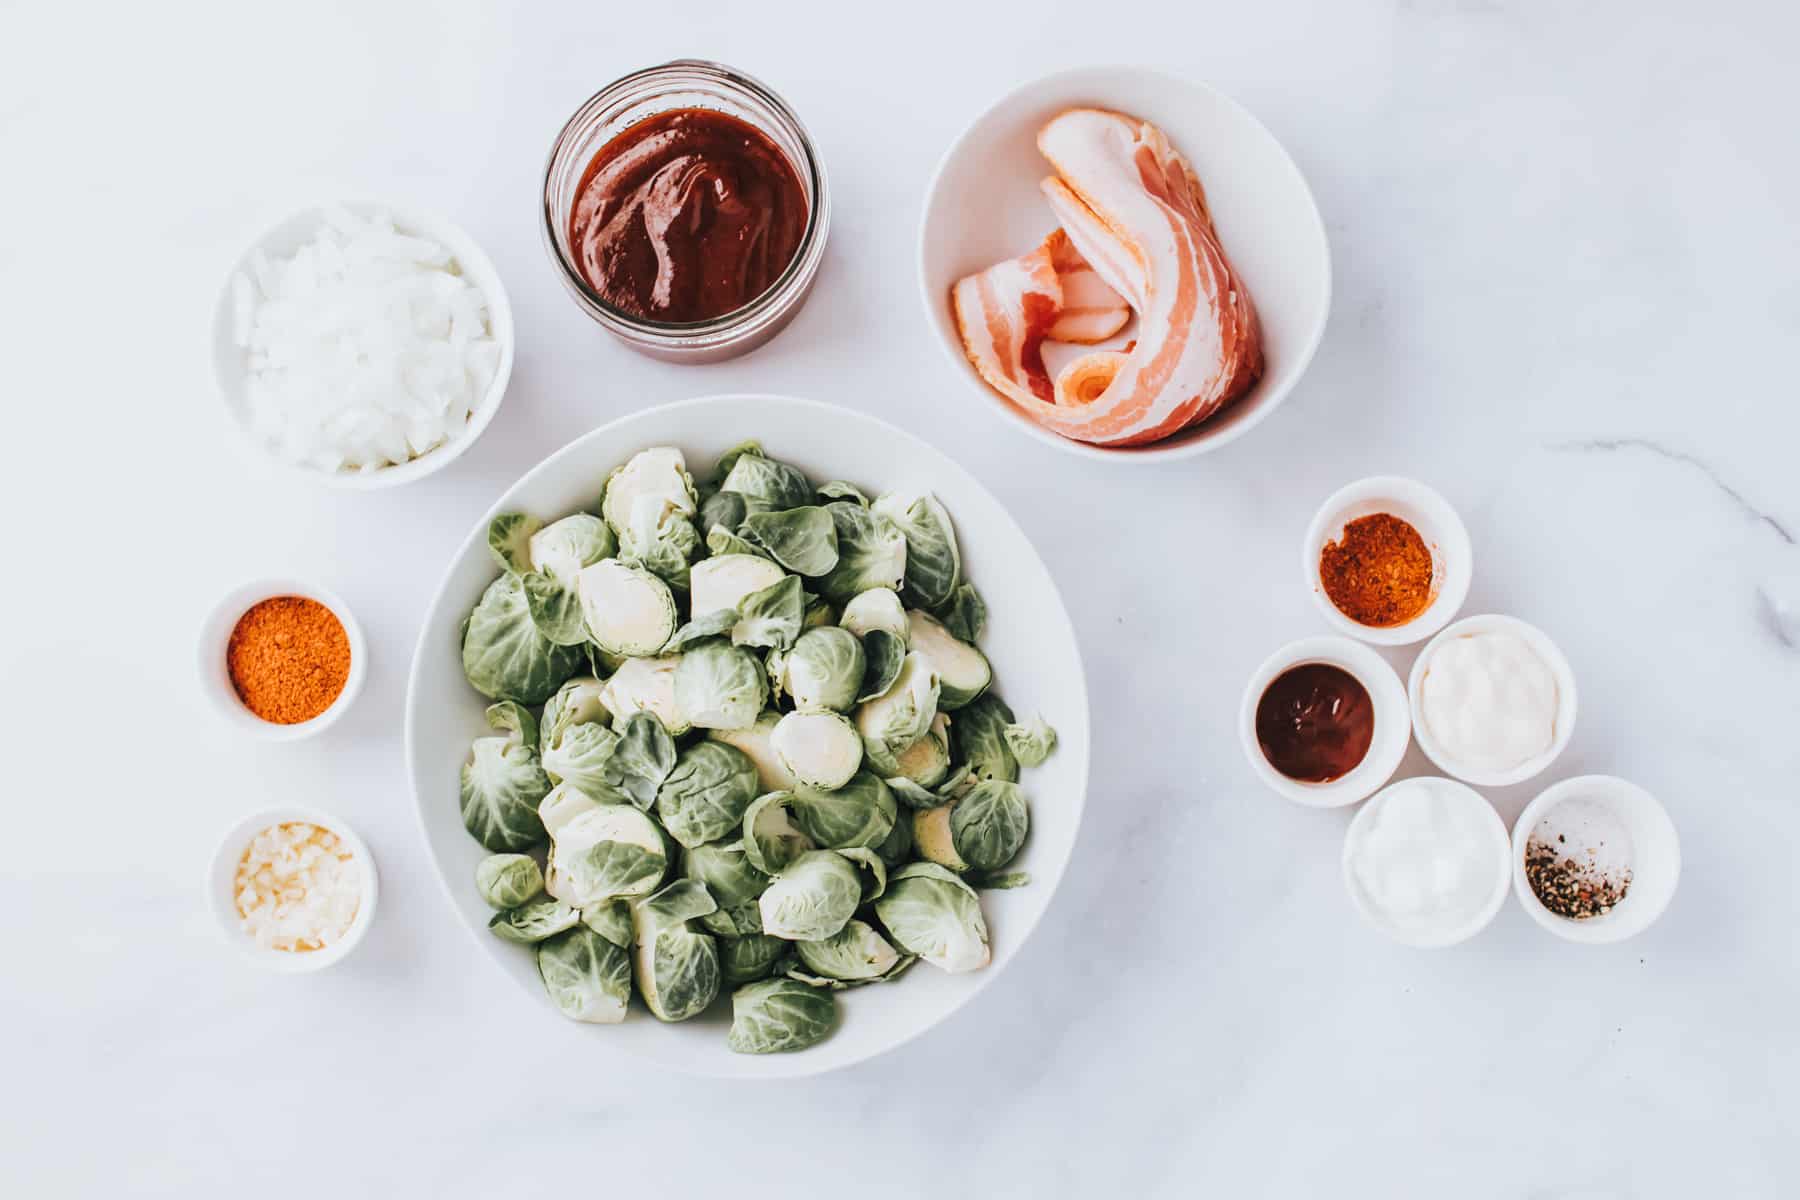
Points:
(1490, 701)
(1424, 858)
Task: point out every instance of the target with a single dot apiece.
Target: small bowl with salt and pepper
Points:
(1595, 859)
(281, 659)
(1387, 560)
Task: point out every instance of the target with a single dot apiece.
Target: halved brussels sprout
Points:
(508, 880)
(755, 956)
(824, 670)
(727, 580)
(712, 625)
(677, 967)
(587, 977)
(964, 614)
(855, 952)
(771, 617)
(982, 831)
(900, 716)
(509, 541)
(771, 841)
(812, 898)
(861, 813)
(654, 480)
(884, 654)
(579, 756)
(563, 804)
(575, 702)
(503, 654)
(877, 608)
(734, 882)
(962, 670)
(757, 741)
(933, 562)
(929, 912)
(776, 484)
(720, 541)
(645, 685)
(531, 923)
(628, 609)
(978, 740)
(871, 552)
(664, 544)
(705, 796)
(561, 548)
(503, 781)
(837, 489)
(820, 749)
(642, 760)
(776, 1015)
(719, 685)
(609, 851)
(804, 540)
(927, 761)
(611, 919)
(1030, 743)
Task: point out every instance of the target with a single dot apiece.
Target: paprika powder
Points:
(1379, 572)
(288, 658)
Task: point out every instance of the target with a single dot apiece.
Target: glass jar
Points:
(686, 83)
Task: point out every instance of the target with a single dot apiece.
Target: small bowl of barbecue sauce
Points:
(1325, 721)
(686, 211)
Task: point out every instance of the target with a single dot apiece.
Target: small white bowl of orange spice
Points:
(1388, 561)
(281, 659)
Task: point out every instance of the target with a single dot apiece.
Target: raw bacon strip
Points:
(1003, 315)
(1091, 311)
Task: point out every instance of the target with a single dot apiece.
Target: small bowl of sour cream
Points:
(1493, 700)
(1428, 862)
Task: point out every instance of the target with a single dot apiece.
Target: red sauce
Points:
(687, 215)
(1315, 722)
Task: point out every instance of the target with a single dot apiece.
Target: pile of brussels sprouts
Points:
(798, 789)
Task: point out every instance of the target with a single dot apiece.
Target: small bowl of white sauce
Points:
(1595, 859)
(1493, 700)
(1427, 862)
(293, 889)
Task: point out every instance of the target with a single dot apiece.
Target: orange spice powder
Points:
(289, 658)
(1380, 573)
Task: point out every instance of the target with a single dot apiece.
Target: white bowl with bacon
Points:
(1124, 264)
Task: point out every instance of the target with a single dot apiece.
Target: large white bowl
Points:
(984, 206)
(1037, 667)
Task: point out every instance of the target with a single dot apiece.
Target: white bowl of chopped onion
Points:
(294, 889)
(363, 345)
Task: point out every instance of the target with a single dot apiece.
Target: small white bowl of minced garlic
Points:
(294, 889)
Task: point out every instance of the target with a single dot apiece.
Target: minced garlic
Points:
(298, 887)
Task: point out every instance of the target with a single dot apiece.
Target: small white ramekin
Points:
(1452, 555)
(1565, 700)
(222, 897)
(1655, 865)
(1499, 842)
(231, 368)
(1393, 723)
(215, 677)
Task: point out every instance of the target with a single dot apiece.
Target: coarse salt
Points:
(297, 888)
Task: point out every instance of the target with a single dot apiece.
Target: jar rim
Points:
(769, 305)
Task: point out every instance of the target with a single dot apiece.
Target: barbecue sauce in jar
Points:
(687, 215)
(1315, 722)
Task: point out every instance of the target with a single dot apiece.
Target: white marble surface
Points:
(1565, 295)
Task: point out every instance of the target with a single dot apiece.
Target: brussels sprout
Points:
(771, 616)
(855, 952)
(824, 670)
(719, 686)
(728, 460)
(1032, 743)
(587, 977)
(724, 512)
(927, 761)
(861, 813)
(508, 880)
(645, 685)
(712, 625)
(871, 871)
(913, 796)
(611, 850)
(503, 654)
(978, 740)
(962, 670)
(705, 796)
(965, 614)
(742, 959)
(900, 716)
(933, 563)
(727, 580)
(561, 548)
(774, 483)
(837, 489)
(628, 609)
(611, 919)
(897, 848)
(757, 742)
(804, 540)
(981, 831)
(996, 881)
(642, 760)
(575, 702)
(871, 552)
(720, 541)
(812, 898)
(579, 756)
(770, 840)
(533, 922)
(653, 481)
(665, 545)
(742, 920)
(779, 1014)
(509, 541)
(563, 804)
(877, 608)
(929, 912)
(502, 783)
(884, 654)
(677, 967)
(819, 612)
(821, 750)
(734, 882)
